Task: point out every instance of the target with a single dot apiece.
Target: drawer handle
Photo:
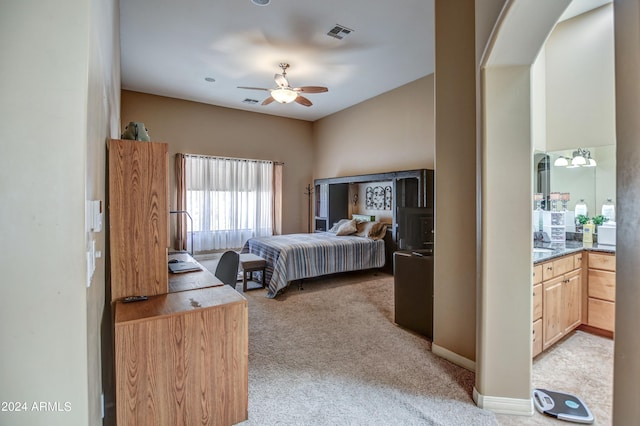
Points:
(549, 268)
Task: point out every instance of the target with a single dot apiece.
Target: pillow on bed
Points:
(337, 225)
(363, 218)
(373, 230)
(347, 228)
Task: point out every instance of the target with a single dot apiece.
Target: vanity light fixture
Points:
(580, 158)
(561, 162)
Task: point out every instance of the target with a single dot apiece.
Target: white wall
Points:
(50, 161)
(580, 99)
(103, 122)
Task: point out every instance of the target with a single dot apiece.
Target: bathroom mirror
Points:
(593, 184)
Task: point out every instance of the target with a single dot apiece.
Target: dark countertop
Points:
(554, 250)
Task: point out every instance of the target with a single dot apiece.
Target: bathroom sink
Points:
(542, 250)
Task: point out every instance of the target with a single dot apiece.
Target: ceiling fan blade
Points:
(252, 88)
(268, 100)
(311, 89)
(303, 101)
(281, 81)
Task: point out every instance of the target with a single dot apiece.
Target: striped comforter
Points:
(296, 256)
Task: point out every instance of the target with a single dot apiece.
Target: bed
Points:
(297, 256)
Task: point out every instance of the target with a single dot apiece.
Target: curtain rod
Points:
(228, 158)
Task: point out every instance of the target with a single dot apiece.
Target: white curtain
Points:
(230, 200)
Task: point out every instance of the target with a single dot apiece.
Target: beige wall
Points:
(196, 128)
(59, 97)
(454, 315)
(503, 379)
(504, 357)
(393, 131)
(626, 386)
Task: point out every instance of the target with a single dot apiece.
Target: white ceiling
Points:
(169, 47)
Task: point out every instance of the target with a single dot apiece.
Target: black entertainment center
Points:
(409, 241)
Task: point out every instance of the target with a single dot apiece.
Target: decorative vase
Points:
(136, 132)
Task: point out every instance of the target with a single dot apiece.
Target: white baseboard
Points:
(453, 357)
(518, 407)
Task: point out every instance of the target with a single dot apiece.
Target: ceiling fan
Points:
(284, 93)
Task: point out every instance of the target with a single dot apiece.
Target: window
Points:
(230, 201)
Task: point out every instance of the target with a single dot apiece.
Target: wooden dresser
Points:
(181, 357)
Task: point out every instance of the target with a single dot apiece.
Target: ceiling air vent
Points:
(339, 32)
(250, 101)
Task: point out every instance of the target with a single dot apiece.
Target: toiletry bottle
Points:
(587, 232)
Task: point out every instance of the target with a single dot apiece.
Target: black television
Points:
(415, 228)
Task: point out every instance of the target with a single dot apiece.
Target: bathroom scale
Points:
(562, 406)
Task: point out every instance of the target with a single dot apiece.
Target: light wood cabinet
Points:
(601, 291)
(572, 300)
(537, 320)
(537, 337)
(537, 310)
(138, 217)
(557, 301)
(537, 302)
(182, 358)
(552, 312)
(602, 314)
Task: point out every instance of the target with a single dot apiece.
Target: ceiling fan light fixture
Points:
(261, 2)
(284, 95)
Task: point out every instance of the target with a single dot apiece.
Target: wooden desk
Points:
(182, 358)
(191, 280)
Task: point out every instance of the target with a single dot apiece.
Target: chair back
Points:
(227, 269)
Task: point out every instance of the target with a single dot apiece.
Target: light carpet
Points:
(331, 355)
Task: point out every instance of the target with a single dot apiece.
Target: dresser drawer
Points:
(537, 301)
(602, 284)
(606, 262)
(577, 260)
(537, 274)
(537, 337)
(602, 314)
(557, 267)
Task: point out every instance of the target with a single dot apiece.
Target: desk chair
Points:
(227, 269)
